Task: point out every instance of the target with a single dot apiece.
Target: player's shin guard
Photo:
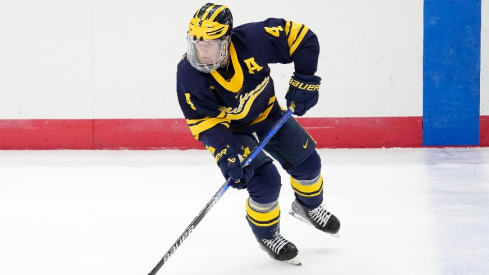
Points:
(264, 219)
(309, 192)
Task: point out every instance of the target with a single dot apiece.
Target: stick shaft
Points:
(219, 194)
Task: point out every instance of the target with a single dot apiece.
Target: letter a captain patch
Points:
(252, 65)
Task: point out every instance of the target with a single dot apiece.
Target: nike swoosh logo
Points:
(305, 145)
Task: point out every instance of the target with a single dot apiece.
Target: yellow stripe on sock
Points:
(263, 219)
(307, 188)
(312, 194)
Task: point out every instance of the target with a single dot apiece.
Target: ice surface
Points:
(403, 211)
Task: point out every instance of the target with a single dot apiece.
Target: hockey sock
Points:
(264, 219)
(309, 192)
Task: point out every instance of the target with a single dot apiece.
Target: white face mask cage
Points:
(213, 53)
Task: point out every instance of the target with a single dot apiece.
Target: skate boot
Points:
(280, 249)
(318, 217)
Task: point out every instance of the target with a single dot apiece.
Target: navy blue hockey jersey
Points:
(215, 107)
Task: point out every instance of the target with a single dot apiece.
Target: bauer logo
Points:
(303, 86)
(178, 242)
(220, 154)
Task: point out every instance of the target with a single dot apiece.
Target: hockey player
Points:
(227, 97)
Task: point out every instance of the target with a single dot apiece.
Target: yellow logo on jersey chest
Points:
(245, 102)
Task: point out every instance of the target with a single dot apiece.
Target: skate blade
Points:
(295, 261)
(299, 217)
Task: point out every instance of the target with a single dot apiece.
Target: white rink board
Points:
(117, 59)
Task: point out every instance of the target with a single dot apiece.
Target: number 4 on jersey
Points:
(275, 31)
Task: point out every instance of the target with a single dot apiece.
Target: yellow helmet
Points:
(210, 22)
(206, 37)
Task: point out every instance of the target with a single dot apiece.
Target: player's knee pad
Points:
(307, 181)
(263, 218)
(308, 169)
(264, 186)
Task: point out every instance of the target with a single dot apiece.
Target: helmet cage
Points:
(196, 61)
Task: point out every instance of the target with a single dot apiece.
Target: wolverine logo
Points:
(246, 152)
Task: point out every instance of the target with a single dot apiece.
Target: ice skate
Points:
(318, 217)
(280, 249)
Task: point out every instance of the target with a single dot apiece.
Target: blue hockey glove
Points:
(303, 91)
(243, 182)
(229, 160)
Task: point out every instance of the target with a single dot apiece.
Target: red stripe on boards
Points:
(46, 134)
(484, 131)
(148, 134)
(365, 132)
(143, 134)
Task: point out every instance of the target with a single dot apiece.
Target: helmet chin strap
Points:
(225, 62)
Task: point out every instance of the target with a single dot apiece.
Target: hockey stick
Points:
(219, 193)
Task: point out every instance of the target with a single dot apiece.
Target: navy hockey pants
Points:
(295, 150)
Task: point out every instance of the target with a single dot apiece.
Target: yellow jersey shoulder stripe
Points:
(295, 33)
